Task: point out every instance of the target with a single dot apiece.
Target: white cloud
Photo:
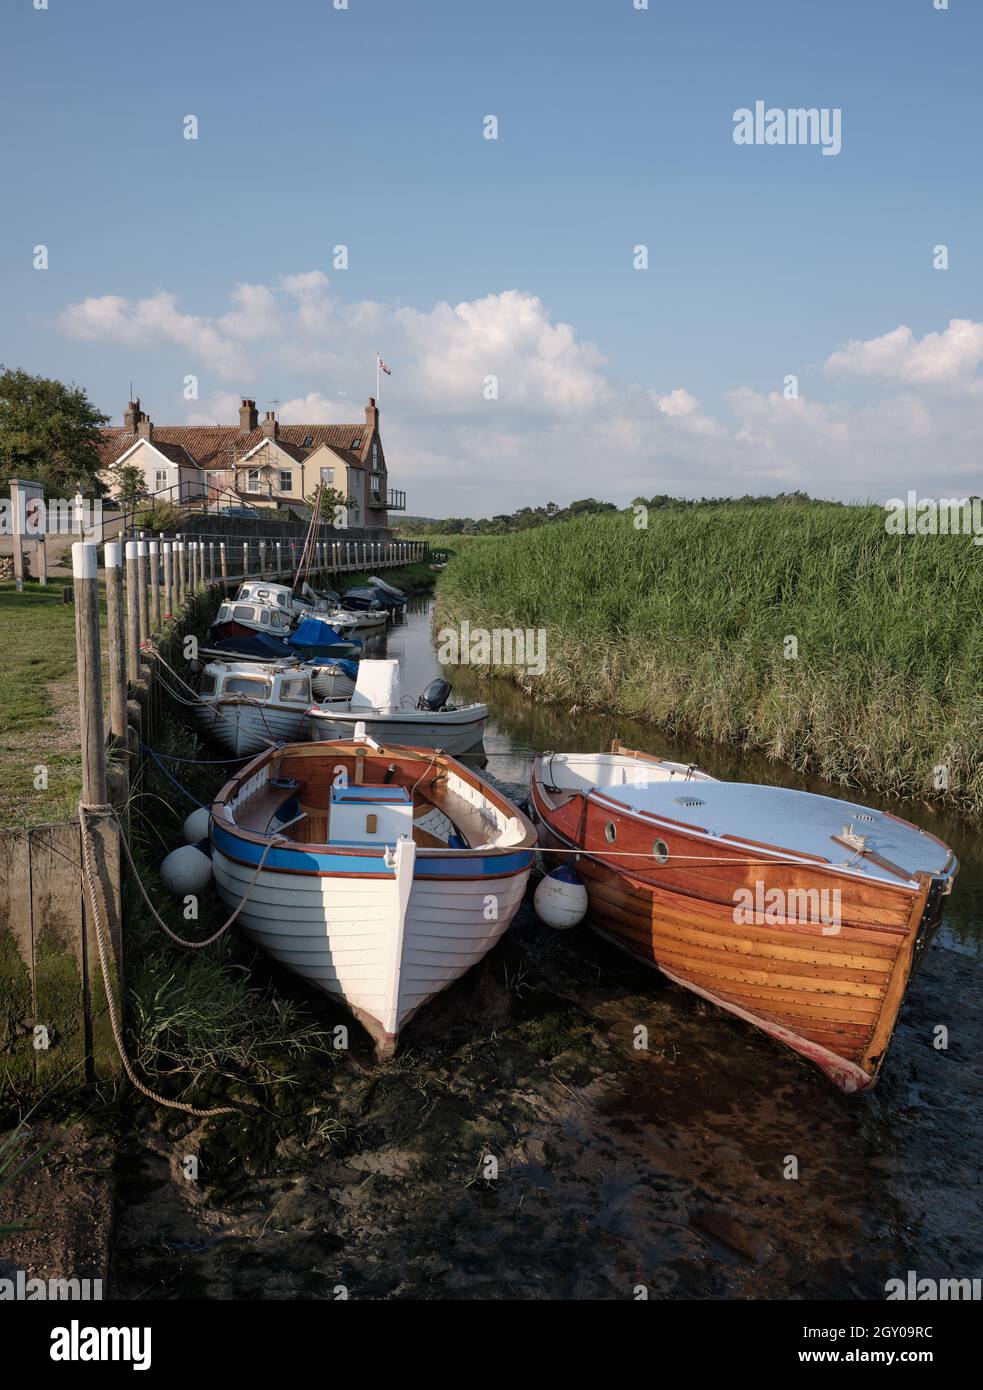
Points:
(946, 359)
(561, 426)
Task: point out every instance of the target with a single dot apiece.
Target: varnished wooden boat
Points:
(382, 874)
(801, 914)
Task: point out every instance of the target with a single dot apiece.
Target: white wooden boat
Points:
(388, 872)
(246, 706)
(376, 702)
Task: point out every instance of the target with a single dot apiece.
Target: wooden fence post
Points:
(153, 549)
(85, 574)
(180, 580)
(116, 625)
(279, 558)
(142, 603)
(168, 599)
(223, 563)
(132, 614)
(245, 558)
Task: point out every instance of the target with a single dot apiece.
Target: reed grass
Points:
(685, 624)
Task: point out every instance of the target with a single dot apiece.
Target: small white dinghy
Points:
(378, 874)
(246, 706)
(376, 703)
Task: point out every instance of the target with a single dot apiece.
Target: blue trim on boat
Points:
(300, 860)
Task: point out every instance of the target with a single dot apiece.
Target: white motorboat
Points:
(376, 702)
(246, 706)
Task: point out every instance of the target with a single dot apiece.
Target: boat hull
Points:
(830, 992)
(453, 736)
(244, 728)
(335, 928)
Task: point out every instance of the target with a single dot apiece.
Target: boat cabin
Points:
(258, 616)
(278, 685)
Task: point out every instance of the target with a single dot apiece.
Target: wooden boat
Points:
(801, 914)
(377, 703)
(247, 705)
(388, 872)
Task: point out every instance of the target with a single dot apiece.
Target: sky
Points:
(790, 323)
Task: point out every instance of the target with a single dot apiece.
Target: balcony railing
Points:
(395, 500)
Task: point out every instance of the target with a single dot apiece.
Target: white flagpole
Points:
(378, 380)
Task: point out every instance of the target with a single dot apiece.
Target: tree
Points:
(49, 432)
(129, 485)
(334, 503)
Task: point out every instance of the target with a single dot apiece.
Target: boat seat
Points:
(466, 819)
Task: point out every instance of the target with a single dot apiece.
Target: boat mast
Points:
(307, 552)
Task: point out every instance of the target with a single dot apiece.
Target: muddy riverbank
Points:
(520, 1146)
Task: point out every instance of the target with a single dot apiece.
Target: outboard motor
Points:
(435, 695)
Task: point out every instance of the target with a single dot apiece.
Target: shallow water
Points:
(713, 1164)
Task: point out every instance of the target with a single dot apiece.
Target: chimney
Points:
(371, 416)
(270, 425)
(248, 416)
(145, 427)
(132, 416)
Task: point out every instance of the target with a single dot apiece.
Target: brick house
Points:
(264, 463)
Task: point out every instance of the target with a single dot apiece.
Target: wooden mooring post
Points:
(168, 579)
(143, 607)
(153, 560)
(116, 626)
(223, 563)
(132, 614)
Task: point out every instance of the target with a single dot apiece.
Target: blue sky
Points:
(364, 127)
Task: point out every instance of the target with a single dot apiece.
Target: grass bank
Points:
(688, 624)
(39, 716)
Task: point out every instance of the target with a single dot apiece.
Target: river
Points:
(715, 1164)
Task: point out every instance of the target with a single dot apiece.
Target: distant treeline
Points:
(526, 518)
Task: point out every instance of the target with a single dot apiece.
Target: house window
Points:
(160, 480)
(252, 480)
(375, 456)
(286, 480)
(327, 477)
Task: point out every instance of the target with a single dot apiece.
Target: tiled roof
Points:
(219, 446)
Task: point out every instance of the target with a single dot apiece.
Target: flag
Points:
(383, 366)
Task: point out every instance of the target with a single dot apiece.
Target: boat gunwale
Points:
(775, 854)
(222, 816)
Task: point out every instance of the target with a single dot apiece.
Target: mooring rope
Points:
(89, 877)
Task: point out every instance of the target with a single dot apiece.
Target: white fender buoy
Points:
(196, 826)
(561, 899)
(186, 870)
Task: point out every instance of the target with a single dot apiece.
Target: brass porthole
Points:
(610, 832)
(660, 851)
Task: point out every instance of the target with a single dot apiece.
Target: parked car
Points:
(249, 513)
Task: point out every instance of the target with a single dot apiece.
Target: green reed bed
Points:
(686, 622)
